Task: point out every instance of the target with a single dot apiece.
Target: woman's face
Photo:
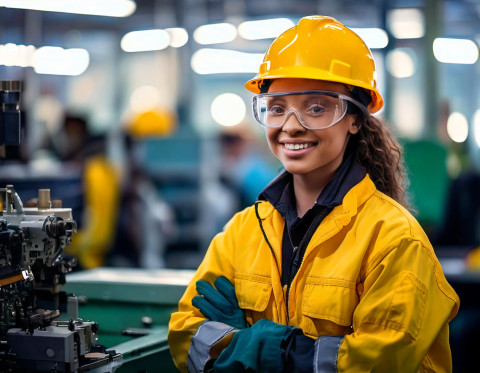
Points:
(321, 151)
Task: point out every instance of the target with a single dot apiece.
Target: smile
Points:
(298, 146)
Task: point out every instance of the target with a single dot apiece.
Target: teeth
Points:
(297, 146)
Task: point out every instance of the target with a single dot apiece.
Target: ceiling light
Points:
(16, 55)
(145, 40)
(145, 98)
(110, 8)
(457, 127)
(228, 109)
(59, 61)
(264, 29)
(215, 33)
(218, 61)
(400, 62)
(406, 23)
(178, 36)
(460, 51)
(375, 38)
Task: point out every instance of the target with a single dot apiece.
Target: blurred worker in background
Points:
(145, 222)
(124, 223)
(245, 169)
(101, 192)
(327, 271)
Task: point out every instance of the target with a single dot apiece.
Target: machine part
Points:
(9, 114)
(32, 270)
(320, 48)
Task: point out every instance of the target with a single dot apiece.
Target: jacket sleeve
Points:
(190, 335)
(401, 321)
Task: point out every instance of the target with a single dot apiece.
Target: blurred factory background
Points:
(136, 117)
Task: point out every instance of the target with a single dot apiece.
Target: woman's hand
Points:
(219, 303)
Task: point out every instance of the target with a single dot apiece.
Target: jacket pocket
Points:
(330, 299)
(253, 291)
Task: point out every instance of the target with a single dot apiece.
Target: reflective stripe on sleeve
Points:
(326, 353)
(206, 336)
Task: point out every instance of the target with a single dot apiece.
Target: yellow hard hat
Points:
(320, 48)
(153, 123)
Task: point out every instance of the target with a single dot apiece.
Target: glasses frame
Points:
(341, 96)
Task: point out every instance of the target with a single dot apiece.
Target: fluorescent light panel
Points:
(375, 38)
(45, 60)
(457, 127)
(109, 8)
(16, 55)
(407, 23)
(178, 36)
(220, 61)
(145, 40)
(215, 33)
(400, 62)
(228, 109)
(460, 51)
(264, 29)
(59, 61)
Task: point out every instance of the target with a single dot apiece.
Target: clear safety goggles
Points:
(314, 110)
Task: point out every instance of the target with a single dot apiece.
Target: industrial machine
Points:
(33, 336)
(32, 271)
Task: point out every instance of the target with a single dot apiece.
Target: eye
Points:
(316, 109)
(276, 110)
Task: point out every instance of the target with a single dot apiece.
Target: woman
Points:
(327, 272)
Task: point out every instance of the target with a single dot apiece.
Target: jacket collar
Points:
(341, 214)
(280, 191)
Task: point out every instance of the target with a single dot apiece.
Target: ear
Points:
(353, 127)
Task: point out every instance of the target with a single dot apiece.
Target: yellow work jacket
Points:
(369, 274)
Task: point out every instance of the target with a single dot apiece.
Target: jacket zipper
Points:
(309, 234)
(306, 238)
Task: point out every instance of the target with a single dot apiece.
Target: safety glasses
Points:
(314, 110)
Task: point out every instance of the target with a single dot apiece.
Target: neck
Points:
(307, 188)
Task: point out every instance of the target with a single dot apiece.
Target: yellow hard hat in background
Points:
(320, 48)
(153, 123)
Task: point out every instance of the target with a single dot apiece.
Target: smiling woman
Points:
(327, 271)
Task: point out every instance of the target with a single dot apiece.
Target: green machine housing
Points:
(132, 308)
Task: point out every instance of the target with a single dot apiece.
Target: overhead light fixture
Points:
(407, 23)
(460, 51)
(375, 38)
(215, 33)
(145, 40)
(178, 36)
(221, 61)
(59, 61)
(228, 109)
(400, 62)
(264, 29)
(16, 55)
(109, 8)
(145, 98)
(45, 60)
(457, 127)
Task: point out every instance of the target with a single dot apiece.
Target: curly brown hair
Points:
(378, 150)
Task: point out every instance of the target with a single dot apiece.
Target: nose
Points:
(292, 123)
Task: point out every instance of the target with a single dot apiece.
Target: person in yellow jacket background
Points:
(328, 271)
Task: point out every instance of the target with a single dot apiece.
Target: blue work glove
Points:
(259, 348)
(219, 304)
